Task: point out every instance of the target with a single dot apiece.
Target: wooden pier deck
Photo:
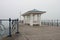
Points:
(36, 33)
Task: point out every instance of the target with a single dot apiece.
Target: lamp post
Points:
(20, 15)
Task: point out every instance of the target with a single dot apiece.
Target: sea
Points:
(4, 29)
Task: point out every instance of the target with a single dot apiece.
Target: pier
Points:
(36, 33)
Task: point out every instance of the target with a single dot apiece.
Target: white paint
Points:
(40, 19)
(24, 20)
(31, 19)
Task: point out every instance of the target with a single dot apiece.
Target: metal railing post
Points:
(57, 22)
(9, 28)
(17, 26)
(48, 22)
(52, 22)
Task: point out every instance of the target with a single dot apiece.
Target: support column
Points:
(31, 20)
(40, 19)
(24, 20)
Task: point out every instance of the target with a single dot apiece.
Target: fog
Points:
(13, 8)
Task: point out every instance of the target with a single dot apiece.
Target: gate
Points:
(8, 27)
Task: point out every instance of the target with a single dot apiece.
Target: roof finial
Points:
(35, 9)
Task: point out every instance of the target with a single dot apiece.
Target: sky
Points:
(13, 8)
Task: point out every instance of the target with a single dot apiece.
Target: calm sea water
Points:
(4, 30)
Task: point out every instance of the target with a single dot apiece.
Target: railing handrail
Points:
(53, 22)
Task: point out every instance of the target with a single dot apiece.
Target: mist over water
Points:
(4, 29)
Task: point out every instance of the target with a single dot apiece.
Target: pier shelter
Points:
(33, 17)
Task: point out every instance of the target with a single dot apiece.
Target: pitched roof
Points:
(34, 11)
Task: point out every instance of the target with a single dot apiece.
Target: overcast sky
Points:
(12, 8)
